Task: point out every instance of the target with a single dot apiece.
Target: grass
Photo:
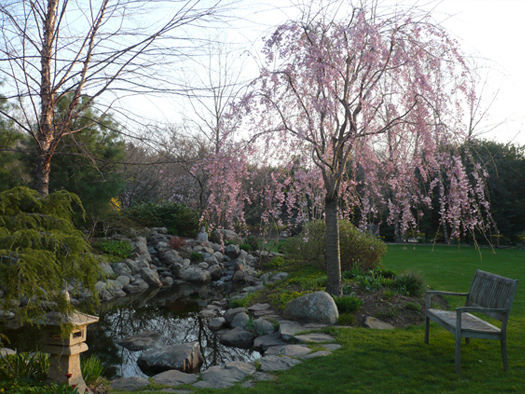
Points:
(398, 361)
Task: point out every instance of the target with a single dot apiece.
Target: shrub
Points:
(275, 263)
(196, 256)
(120, 249)
(253, 242)
(178, 218)
(245, 247)
(409, 283)
(24, 366)
(358, 249)
(348, 304)
(346, 319)
(177, 242)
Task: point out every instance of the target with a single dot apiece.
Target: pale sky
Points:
(492, 31)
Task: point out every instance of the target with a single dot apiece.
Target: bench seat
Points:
(489, 294)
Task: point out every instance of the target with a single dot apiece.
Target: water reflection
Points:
(172, 313)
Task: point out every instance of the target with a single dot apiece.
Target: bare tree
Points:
(50, 48)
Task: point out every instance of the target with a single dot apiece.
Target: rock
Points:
(318, 307)
(194, 274)
(288, 350)
(159, 230)
(105, 295)
(217, 323)
(141, 247)
(129, 384)
(320, 353)
(141, 341)
(211, 261)
(257, 308)
(121, 269)
(218, 256)
(239, 277)
(279, 276)
(238, 338)
(123, 280)
(240, 320)
(203, 265)
(230, 313)
(136, 286)
(372, 322)
(220, 236)
(226, 375)
(118, 293)
(207, 314)
(175, 378)
(232, 251)
(167, 281)
(136, 265)
(315, 337)
(169, 257)
(150, 277)
(215, 272)
(108, 271)
(277, 363)
(264, 342)
(100, 285)
(263, 327)
(186, 357)
(288, 328)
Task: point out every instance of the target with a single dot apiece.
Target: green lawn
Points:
(398, 361)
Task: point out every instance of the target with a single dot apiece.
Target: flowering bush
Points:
(358, 248)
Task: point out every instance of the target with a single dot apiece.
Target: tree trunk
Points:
(43, 168)
(333, 258)
(47, 102)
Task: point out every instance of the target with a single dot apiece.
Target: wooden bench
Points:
(489, 294)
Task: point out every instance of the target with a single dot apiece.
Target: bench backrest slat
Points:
(492, 291)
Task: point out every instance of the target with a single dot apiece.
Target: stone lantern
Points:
(64, 361)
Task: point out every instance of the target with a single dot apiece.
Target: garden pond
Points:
(173, 313)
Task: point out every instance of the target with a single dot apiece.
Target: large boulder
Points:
(186, 357)
(318, 307)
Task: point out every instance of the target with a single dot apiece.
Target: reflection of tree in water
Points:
(173, 315)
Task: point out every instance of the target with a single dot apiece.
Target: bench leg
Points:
(467, 341)
(458, 353)
(504, 353)
(427, 329)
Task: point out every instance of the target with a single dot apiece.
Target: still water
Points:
(173, 313)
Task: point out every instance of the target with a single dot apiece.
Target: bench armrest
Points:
(430, 293)
(451, 293)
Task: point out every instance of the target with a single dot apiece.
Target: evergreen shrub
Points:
(358, 249)
(179, 219)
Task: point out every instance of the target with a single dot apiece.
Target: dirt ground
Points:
(400, 311)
